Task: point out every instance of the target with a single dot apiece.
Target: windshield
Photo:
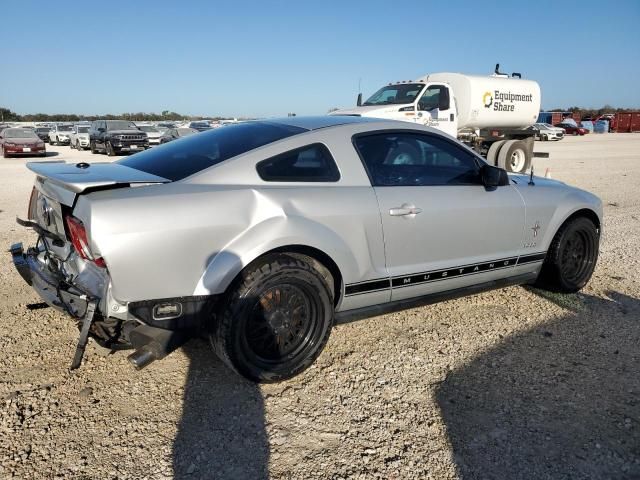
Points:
(43, 130)
(148, 128)
(83, 129)
(183, 132)
(121, 125)
(181, 158)
(18, 133)
(395, 94)
(65, 128)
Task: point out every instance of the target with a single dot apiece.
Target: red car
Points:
(571, 130)
(21, 141)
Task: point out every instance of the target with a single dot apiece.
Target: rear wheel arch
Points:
(320, 260)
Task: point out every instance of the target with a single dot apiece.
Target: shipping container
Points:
(626, 122)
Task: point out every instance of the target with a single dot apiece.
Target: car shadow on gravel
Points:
(561, 400)
(222, 431)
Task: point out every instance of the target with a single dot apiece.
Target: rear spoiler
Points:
(64, 181)
(78, 177)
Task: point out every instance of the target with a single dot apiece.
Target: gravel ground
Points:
(510, 384)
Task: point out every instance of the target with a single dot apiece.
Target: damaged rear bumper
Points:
(152, 338)
(56, 293)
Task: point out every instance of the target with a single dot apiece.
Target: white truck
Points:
(492, 114)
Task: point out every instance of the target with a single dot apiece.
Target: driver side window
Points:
(410, 159)
(431, 98)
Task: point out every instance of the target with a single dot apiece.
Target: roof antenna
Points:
(531, 182)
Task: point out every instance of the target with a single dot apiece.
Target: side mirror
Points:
(493, 177)
(444, 102)
(359, 100)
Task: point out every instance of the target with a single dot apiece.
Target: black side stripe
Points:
(367, 287)
(382, 284)
(536, 257)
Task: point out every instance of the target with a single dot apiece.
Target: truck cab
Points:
(430, 104)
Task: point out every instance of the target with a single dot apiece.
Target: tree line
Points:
(7, 115)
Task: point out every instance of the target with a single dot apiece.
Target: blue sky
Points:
(266, 58)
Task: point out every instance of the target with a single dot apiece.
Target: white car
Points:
(153, 133)
(59, 134)
(546, 132)
(79, 137)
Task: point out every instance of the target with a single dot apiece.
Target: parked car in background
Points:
(3, 126)
(59, 134)
(21, 141)
(546, 132)
(166, 125)
(153, 134)
(43, 133)
(79, 137)
(175, 133)
(261, 235)
(200, 126)
(116, 136)
(571, 129)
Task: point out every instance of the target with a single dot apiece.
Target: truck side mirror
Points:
(359, 100)
(444, 102)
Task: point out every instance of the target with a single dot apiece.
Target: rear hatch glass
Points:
(182, 158)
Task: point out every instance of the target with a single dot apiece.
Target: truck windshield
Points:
(395, 94)
(121, 125)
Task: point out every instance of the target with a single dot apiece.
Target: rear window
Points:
(181, 158)
(312, 163)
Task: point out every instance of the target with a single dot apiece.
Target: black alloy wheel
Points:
(276, 318)
(572, 257)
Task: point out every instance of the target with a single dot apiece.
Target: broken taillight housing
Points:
(78, 236)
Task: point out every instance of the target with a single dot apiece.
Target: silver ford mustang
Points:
(260, 235)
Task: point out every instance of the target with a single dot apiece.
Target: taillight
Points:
(32, 204)
(80, 242)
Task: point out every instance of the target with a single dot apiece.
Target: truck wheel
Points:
(572, 257)
(92, 146)
(515, 157)
(545, 138)
(492, 154)
(51, 142)
(275, 320)
(110, 151)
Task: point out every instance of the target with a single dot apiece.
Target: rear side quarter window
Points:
(311, 163)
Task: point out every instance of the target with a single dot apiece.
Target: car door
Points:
(436, 109)
(443, 229)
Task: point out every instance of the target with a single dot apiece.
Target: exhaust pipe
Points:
(153, 344)
(142, 357)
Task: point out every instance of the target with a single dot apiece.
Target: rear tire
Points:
(515, 157)
(571, 258)
(275, 320)
(494, 149)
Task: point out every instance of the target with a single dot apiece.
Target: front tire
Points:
(110, 151)
(92, 147)
(571, 258)
(276, 319)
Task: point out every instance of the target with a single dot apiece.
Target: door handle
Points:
(404, 210)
